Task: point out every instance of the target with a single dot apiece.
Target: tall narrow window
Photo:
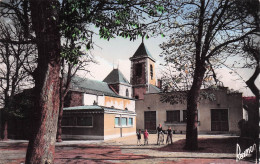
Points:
(151, 71)
(123, 121)
(127, 93)
(138, 70)
(130, 121)
(117, 123)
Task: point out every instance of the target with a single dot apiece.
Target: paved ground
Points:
(123, 150)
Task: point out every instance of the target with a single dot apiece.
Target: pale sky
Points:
(116, 53)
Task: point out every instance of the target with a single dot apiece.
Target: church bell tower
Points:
(142, 72)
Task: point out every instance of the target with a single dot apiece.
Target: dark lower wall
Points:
(96, 130)
(19, 128)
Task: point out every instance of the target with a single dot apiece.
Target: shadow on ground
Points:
(209, 145)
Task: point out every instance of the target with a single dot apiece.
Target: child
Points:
(169, 136)
(139, 137)
(146, 134)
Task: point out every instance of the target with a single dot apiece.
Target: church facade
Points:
(116, 107)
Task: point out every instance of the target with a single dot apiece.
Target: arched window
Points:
(127, 93)
(151, 71)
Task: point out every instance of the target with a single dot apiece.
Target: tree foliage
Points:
(203, 33)
(46, 23)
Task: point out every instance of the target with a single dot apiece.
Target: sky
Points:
(115, 53)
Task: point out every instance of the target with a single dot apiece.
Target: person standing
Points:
(146, 134)
(138, 134)
(169, 135)
(159, 130)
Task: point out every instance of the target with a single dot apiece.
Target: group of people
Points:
(146, 134)
(159, 132)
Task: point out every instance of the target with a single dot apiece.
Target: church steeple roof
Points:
(115, 76)
(142, 52)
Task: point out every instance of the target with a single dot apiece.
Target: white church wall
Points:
(119, 103)
(89, 99)
(122, 90)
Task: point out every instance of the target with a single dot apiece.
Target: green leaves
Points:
(160, 8)
(72, 53)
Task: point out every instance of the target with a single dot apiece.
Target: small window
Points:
(117, 123)
(136, 97)
(173, 116)
(130, 122)
(138, 70)
(84, 121)
(127, 93)
(68, 121)
(184, 116)
(151, 71)
(123, 121)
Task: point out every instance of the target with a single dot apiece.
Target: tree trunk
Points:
(41, 146)
(63, 92)
(255, 119)
(192, 100)
(5, 137)
(4, 125)
(59, 131)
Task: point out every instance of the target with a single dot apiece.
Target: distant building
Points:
(220, 116)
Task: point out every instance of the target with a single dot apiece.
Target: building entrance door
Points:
(150, 120)
(219, 120)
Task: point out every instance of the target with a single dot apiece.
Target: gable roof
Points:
(91, 86)
(95, 87)
(115, 76)
(141, 52)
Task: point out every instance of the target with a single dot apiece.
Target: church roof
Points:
(142, 52)
(115, 76)
(95, 87)
(91, 86)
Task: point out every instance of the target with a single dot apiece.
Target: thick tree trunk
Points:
(41, 146)
(192, 100)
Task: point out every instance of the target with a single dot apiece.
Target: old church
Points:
(116, 107)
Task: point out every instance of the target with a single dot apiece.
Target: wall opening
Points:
(127, 93)
(151, 71)
(138, 70)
